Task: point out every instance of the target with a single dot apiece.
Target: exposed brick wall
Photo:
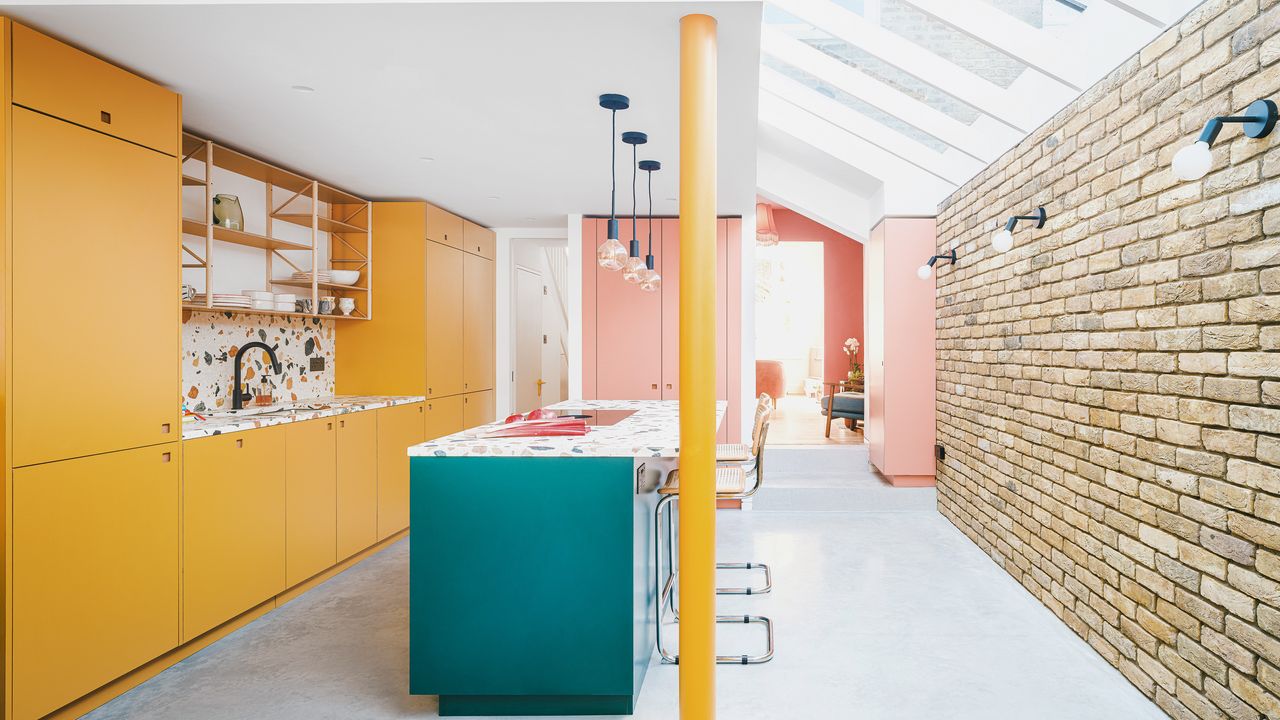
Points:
(1109, 391)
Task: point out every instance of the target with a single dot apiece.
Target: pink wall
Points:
(902, 369)
(842, 279)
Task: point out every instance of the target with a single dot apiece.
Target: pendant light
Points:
(766, 230)
(633, 264)
(650, 280)
(611, 254)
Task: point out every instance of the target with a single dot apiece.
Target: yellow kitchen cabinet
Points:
(311, 498)
(479, 240)
(95, 572)
(399, 427)
(388, 355)
(357, 482)
(233, 513)
(95, 323)
(59, 80)
(444, 330)
(445, 228)
(445, 416)
(477, 324)
(477, 409)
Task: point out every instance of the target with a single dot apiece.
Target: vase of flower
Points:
(851, 348)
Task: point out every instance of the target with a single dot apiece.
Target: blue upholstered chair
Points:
(849, 406)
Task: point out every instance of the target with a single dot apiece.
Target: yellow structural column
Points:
(697, 366)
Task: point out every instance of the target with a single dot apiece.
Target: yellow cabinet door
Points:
(445, 416)
(60, 80)
(399, 428)
(479, 240)
(95, 264)
(311, 498)
(387, 355)
(477, 409)
(357, 482)
(95, 572)
(233, 510)
(444, 320)
(477, 325)
(444, 227)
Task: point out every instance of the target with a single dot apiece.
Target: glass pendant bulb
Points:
(651, 282)
(611, 254)
(632, 270)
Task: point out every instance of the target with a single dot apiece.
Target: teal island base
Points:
(489, 705)
(530, 584)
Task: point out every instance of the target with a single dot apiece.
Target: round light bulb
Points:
(1002, 241)
(651, 282)
(1193, 161)
(631, 269)
(924, 271)
(611, 254)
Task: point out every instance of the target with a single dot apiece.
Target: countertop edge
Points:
(349, 404)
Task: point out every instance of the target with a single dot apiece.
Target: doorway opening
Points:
(540, 325)
(808, 306)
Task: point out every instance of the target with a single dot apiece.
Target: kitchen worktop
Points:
(652, 431)
(221, 423)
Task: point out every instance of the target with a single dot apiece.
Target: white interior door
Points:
(528, 337)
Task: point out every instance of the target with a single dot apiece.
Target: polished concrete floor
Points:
(883, 611)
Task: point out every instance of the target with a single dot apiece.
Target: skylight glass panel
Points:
(857, 58)
(854, 103)
(1053, 16)
(950, 44)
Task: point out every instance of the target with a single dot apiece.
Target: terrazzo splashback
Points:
(210, 341)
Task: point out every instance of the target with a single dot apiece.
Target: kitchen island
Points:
(531, 563)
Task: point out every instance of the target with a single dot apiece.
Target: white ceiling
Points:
(502, 96)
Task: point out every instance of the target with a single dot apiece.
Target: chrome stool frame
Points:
(666, 588)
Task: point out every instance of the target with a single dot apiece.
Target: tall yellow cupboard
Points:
(445, 320)
(95, 572)
(94, 278)
(477, 325)
(233, 525)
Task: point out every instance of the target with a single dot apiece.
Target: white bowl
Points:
(260, 294)
(345, 277)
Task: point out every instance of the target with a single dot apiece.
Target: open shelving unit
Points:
(308, 203)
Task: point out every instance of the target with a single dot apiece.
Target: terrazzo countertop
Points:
(221, 423)
(653, 431)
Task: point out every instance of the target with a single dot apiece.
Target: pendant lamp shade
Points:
(611, 254)
(766, 230)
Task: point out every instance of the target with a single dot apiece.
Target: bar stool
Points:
(740, 452)
(734, 482)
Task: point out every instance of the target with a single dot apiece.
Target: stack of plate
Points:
(262, 299)
(323, 276)
(225, 300)
(286, 302)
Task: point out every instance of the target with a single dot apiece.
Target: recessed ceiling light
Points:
(531, 218)
(424, 158)
(494, 197)
(671, 198)
(303, 88)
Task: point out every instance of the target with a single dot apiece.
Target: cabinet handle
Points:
(239, 442)
(419, 408)
(668, 386)
(342, 423)
(429, 392)
(653, 386)
(165, 428)
(106, 116)
(330, 426)
(166, 457)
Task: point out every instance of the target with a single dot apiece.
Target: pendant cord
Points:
(634, 155)
(650, 212)
(613, 165)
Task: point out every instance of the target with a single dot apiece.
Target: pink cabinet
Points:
(631, 339)
(901, 366)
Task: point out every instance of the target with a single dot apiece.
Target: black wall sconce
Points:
(1002, 240)
(926, 269)
(1194, 161)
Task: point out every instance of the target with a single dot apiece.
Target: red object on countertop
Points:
(570, 427)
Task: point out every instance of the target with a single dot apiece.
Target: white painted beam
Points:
(896, 50)
(1025, 43)
(953, 168)
(908, 189)
(784, 183)
(965, 138)
(1156, 12)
